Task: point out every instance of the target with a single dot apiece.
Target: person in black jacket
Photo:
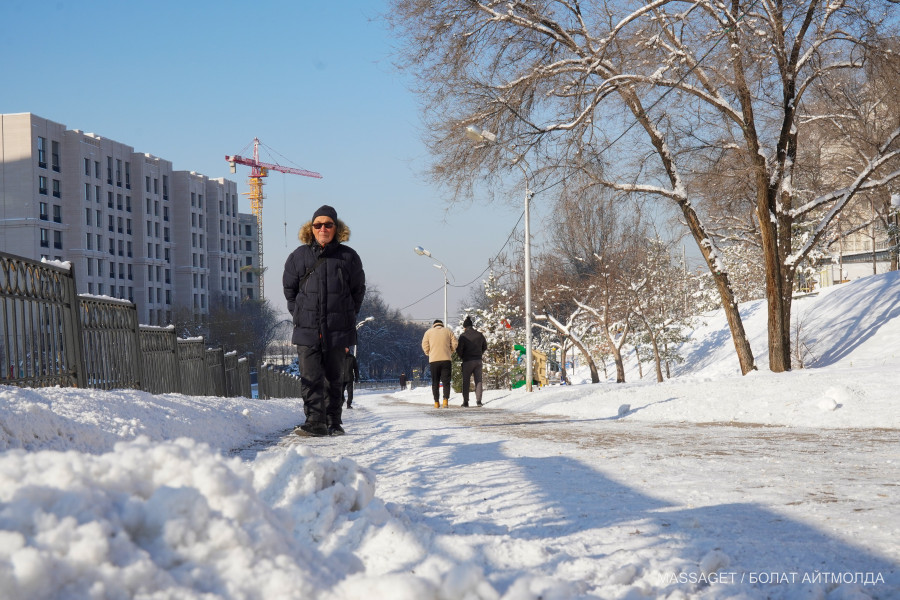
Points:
(350, 374)
(470, 349)
(324, 284)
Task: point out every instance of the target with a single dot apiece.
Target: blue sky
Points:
(192, 81)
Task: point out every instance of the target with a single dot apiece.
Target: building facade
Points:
(131, 226)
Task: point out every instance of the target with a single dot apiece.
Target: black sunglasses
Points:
(327, 225)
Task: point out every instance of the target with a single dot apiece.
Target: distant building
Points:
(131, 226)
(249, 257)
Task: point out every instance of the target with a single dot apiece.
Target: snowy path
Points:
(602, 506)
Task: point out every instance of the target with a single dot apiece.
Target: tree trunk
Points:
(637, 357)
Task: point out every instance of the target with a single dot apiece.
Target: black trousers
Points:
(348, 387)
(440, 373)
(321, 380)
(471, 368)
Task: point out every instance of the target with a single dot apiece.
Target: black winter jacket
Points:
(471, 345)
(327, 303)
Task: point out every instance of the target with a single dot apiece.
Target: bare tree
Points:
(652, 99)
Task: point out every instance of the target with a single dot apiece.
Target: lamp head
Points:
(483, 135)
(421, 251)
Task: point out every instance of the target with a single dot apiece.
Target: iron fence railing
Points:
(49, 335)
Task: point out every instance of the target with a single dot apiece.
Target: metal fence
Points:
(49, 335)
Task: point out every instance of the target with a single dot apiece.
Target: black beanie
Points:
(325, 211)
(467, 322)
(436, 321)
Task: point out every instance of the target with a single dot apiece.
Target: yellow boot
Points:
(437, 404)
(446, 403)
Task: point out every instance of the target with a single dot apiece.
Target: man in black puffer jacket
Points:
(471, 348)
(324, 284)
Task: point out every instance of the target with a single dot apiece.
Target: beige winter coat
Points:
(438, 343)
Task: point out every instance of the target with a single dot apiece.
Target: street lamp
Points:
(423, 252)
(486, 136)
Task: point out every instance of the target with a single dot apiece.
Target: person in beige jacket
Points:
(438, 343)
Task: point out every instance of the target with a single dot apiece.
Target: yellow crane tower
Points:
(259, 170)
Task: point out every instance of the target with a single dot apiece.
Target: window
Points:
(200, 217)
(87, 192)
(97, 169)
(193, 240)
(112, 270)
(100, 288)
(168, 296)
(111, 223)
(112, 246)
(248, 246)
(247, 231)
(127, 175)
(149, 209)
(165, 213)
(249, 277)
(156, 229)
(156, 208)
(57, 240)
(54, 156)
(90, 287)
(45, 239)
(119, 227)
(122, 272)
(42, 152)
(121, 245)
(249, 261)
(119, 201)
(165, 187)
(57, 213)
(128, 226)
(90, 265)
(156, 186)
(149, 250)
(119, 172)
(97, 194)
(98, 220)
(109, 199)
(90, 243)
(221, 207)
(87, 218)
(128, 203)
(130, 272)
(130, 253)
(109, 170)
(43, 211)
(87, 167)
(149, 229)
(147, 183)
(199, 200)
(193, 199)
(56, 189)
(42, 185)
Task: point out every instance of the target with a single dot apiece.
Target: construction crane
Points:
(259, 170)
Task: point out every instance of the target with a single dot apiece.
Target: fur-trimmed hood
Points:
(341, 232)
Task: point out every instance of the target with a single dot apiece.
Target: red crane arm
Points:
(255, 163)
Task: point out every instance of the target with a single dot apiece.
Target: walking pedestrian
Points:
(402, 381)
(438, 343)
(324, 284)
(470, 350)
(351, 374)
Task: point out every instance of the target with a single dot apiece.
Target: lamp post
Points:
(423, 252)
(473, 133)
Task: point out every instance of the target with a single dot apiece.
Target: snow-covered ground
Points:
(710, 485)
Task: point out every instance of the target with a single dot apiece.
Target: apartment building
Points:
(131, 226)
(249, 258)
